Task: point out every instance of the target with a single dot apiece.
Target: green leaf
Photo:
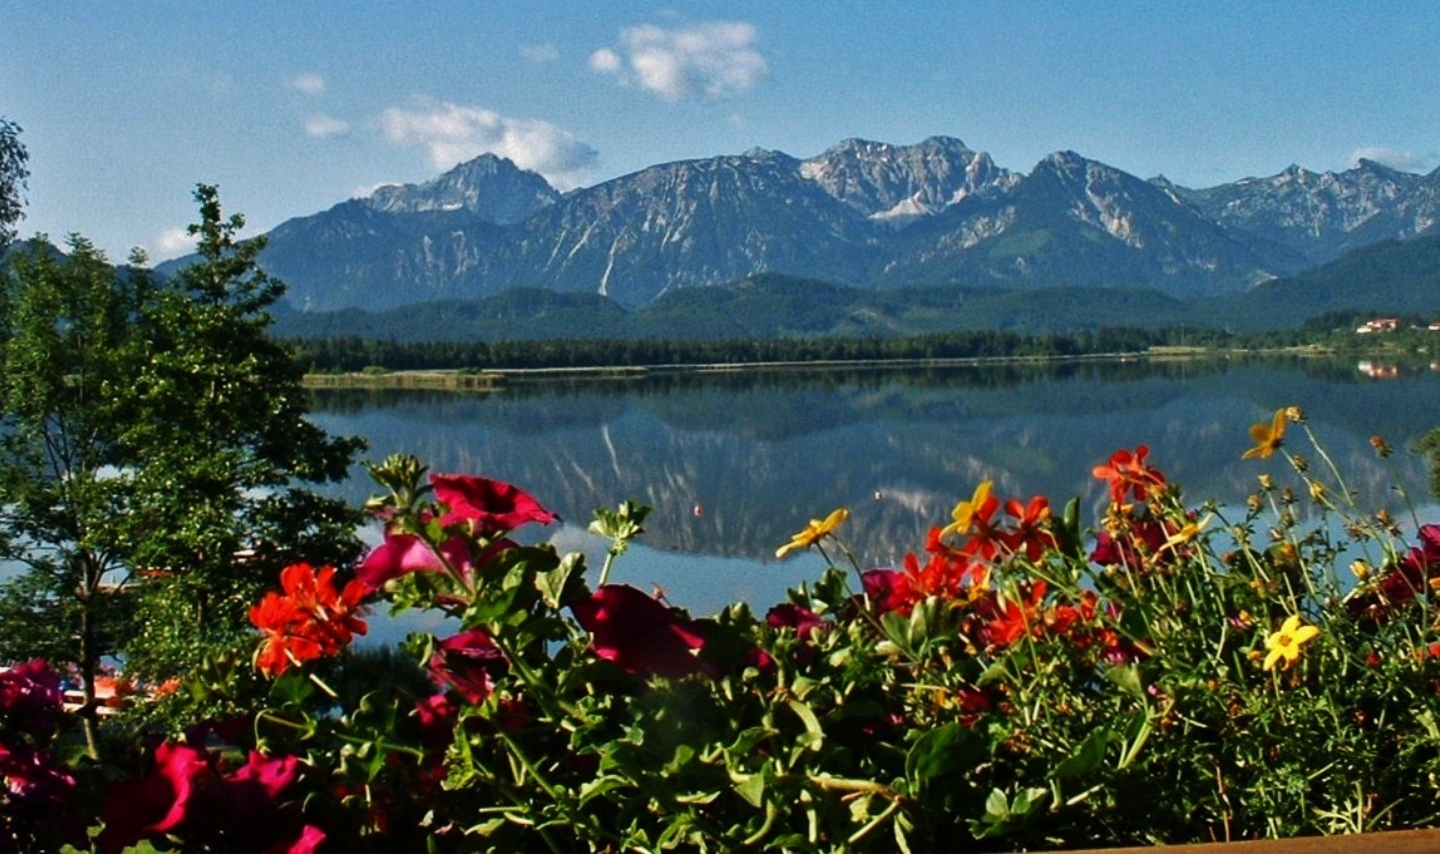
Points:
(1127, 678)
(1087, 757)
(814, 737)
(563, 584)
(748, 739)
(752, 790)
(944, 751)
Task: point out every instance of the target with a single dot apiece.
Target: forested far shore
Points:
(353, 354)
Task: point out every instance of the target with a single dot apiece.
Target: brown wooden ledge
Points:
(1390, 842)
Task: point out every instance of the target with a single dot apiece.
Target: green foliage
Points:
(1428, 446)
(13, 175)
(154, 457)
(1039, 698)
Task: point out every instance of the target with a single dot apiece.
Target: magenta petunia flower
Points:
(639, 633)
(155, 804)
(402, 554)
(489, 506)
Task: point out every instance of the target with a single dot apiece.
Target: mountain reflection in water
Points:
(733, 464)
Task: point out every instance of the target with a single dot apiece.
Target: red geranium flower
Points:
(1129, 474)
(309, 620)
(488, 506)
(1032, 535)
(1015, 618)
(638, 632)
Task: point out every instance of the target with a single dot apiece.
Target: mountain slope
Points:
(863, 214)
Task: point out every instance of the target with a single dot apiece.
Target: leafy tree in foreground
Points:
(13, 175)
(156, 464)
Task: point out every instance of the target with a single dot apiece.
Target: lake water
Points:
(734, 464)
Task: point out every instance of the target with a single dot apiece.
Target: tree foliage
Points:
(13, 175)
(156, 466)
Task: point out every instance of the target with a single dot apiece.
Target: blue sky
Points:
(292, 107)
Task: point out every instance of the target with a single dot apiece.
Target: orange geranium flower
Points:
(312, 618)
(1032, 535)
(1129, 474)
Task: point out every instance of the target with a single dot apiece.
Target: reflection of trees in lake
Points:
(759, 454)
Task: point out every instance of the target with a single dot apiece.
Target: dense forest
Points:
(354, 353)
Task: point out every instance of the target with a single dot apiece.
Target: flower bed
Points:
(1172, 674)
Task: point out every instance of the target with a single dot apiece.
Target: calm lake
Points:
(735, 463)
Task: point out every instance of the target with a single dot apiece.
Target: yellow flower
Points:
(1187, 532)
(1267, 437)
(1285, 644)
(964, 512)
(813, 533)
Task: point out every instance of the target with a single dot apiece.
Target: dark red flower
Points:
(788, 615)
(639, 633)
(468, 662)
(1132, 547)
(1404, 580)
(436, 716)
(488, 506)
(887, 590)
(30, 699)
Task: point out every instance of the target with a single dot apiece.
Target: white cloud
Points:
(709, 60)
(308, 83)
(171, 243)
(321, 126)
(452, 133)
(606, 61)
(539, 52)
(1402, 160)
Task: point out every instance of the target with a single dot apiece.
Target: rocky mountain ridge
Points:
(862, 213)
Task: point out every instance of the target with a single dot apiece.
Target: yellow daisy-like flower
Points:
(1267, 437)
(964, 512)
(1187, 532)
(1285, 644)
(813, 533)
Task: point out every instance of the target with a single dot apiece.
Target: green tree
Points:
(157, 468)
(63, 479)
(13, 175)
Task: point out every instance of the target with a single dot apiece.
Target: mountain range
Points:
(862, 214)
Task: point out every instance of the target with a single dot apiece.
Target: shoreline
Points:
(461, 379)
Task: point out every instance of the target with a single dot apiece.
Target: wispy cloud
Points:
(321, 126)
(539, 52)
(1402, 160)
(707, 60)
(171, 243)
(308, 83)
(451, 133)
